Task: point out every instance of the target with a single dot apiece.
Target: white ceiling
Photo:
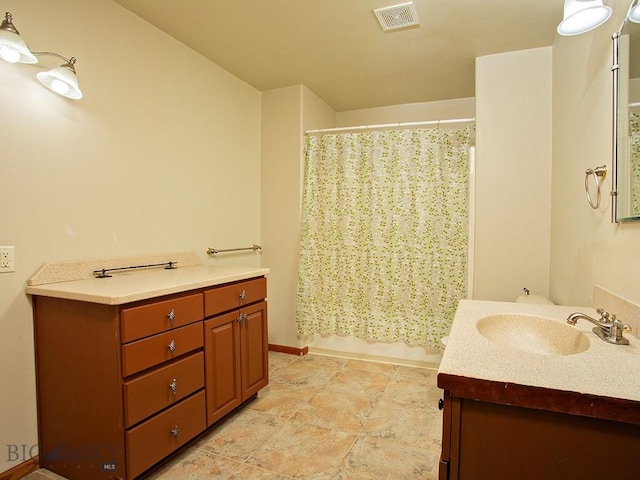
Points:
(338, 50)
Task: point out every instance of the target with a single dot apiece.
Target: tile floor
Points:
(321, 418)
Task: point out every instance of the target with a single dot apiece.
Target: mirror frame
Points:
(618, 168)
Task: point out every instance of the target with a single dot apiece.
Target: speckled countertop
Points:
(132, 286)
(603, 370)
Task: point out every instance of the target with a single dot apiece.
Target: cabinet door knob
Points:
(175, 431)
(171, 315)
(174, 386)
(172, 346)
(242, 317)
(243, 295)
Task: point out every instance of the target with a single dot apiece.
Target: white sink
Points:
(533, 334)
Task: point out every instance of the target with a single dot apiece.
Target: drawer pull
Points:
(175, 431)
(172, 346)
(171, 315)
(174, 386)
(243, 295)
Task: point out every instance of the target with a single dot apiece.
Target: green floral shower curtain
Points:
(384, 235)
(634, 127)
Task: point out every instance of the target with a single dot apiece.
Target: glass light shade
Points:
(634, 14)
(13, 49)
(62, 81)
(580, 16)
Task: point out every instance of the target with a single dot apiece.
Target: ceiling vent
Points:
(397, 16)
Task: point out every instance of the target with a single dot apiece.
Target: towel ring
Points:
(597, 173)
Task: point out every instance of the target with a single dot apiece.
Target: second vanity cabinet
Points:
(121, 387)
(511, 412)
(500, 431)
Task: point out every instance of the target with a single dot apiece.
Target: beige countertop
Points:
(602, 370)
(125, 287)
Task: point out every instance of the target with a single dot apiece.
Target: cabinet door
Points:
(254, 349)
(222, 365)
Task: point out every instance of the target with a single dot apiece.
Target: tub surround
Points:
(502, 403)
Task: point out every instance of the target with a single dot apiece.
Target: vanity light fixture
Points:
(581, 16)
(13, 49)
(634, 12)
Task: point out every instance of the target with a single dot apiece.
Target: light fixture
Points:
(634, 13)
(12, 47)
(580, 16)
(62, 80)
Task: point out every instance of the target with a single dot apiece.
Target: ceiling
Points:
(338, 50)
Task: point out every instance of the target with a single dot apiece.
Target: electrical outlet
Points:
(7, 259)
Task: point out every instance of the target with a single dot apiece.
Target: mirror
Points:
(626, 206)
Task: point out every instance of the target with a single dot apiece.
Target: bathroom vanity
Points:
(130, 368)
(519, 403)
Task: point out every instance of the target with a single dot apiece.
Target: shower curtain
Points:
(634, 134)
(384, 234)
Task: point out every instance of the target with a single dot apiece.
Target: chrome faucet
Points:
(608, 327)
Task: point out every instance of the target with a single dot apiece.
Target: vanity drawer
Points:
(142, 354)
(151, 441)
(161, 388)
(146, 320)
(226, 298)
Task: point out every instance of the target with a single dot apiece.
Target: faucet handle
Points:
(620, 324)
(603, 313)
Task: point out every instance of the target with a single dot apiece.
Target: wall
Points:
(410, 112)
(586, 247)
(513, 174)
(286, 114)
(162, 155)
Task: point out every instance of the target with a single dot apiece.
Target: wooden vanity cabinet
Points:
(121, 387)
(483, 438)
(236, 345)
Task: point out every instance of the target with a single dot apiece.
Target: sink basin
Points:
(533, 334)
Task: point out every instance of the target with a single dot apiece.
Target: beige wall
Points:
(410, 112)
(162, 155)
(513, 174)
(586, 248)
(286, 114)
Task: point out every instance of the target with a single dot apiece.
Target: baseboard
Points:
(284, 349)
(375, 358)
(21, 470)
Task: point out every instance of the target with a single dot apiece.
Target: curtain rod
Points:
(392, 125)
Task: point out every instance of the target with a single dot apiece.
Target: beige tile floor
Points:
(321, 418)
